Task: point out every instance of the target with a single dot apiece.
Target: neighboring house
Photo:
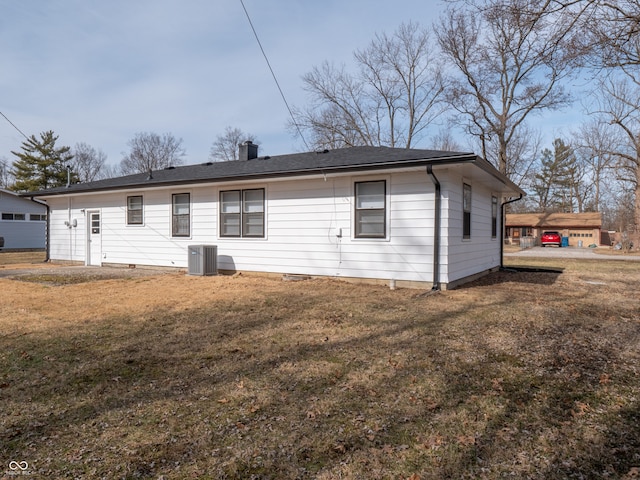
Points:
(22, 222)
(373, 213)
(580, 228)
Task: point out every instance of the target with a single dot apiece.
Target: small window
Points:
(95, 223)
(14, 216)
(370, 202)
(466, 211)
(181, 215)
(494, 216)
(37, 217)
(134, 210)
(242, 213)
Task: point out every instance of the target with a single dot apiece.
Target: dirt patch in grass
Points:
(519, 375)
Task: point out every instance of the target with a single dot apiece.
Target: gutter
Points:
(436, 230)
(503, 226)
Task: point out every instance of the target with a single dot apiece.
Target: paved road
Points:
(569, 252)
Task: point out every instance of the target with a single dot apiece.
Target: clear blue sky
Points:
(100, 71)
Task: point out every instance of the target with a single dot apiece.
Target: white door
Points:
(94, 241)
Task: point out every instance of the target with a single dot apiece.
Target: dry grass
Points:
(519, 375)
(617, 253)
(8, 258)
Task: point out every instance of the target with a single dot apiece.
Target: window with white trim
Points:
(37, 217)
(371, 209)
(181, 215)
(242, 213)
(134, 210)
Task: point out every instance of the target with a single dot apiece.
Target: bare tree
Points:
(88, 163)
(444, 140)
(225, 146)
(150, 151)
(6, 179)
(620, 108)
(611, 34)
(395, 95)
(595, 144)
(109, 171)
(522, 150)
(511, 57)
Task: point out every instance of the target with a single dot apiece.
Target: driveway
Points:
(568, 252)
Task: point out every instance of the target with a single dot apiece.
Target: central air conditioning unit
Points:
(203, 260)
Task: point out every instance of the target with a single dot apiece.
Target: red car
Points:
(551, 238)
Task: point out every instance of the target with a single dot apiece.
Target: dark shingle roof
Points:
(309, 163)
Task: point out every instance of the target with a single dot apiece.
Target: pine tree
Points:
(554, 183)
(40, 164)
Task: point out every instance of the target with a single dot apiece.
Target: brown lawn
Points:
(519, 375)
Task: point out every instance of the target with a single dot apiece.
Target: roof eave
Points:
(275, 174)
(484, 166)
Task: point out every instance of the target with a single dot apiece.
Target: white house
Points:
(22, 222)
(419, 217)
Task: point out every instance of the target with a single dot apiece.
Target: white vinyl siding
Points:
(308, 227)
(465, 257)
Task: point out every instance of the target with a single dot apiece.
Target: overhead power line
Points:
(13, 125)
(274, 76)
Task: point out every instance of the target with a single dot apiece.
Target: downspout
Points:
(503, 226)
(436, 230)
(47, 246)
(47, 235)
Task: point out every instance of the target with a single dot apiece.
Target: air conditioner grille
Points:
(203, 260)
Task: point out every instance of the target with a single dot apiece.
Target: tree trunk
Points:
(636, 209)
(502, 159)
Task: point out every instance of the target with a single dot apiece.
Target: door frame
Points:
(93, 246)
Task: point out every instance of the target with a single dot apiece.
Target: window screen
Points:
(134, 210)
(370, 205)
(242, 213)
(181, 216)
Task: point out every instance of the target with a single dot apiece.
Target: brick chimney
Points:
(247, 150)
